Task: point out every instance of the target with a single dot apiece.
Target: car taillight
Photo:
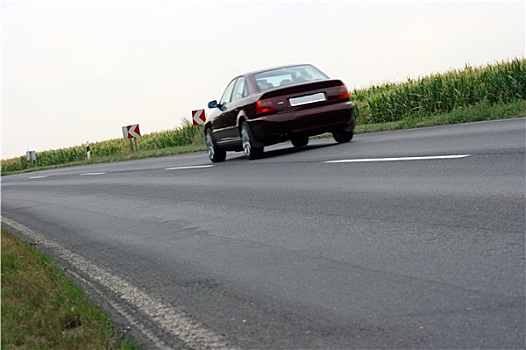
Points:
(343, 93)
(265, 107)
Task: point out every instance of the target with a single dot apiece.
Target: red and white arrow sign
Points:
(198, 117)
(131, 131)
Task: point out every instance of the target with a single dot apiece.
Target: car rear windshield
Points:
(287, 76)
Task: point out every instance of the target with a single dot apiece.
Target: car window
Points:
(287, 76)
(227, 95)
(240, 89)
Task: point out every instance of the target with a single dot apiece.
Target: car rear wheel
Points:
(215, 154)
(342, 136)
(252, 151)
(300, 141)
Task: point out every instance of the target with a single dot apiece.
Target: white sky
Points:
(80, 70)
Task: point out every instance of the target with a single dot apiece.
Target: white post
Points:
(88, 151)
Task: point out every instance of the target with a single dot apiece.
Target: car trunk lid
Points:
(306, 95)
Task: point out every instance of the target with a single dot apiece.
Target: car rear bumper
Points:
(282, 126)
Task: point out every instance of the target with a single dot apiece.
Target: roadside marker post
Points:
(88, 151)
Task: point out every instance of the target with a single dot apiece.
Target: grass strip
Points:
(42, 309)
(469, 114)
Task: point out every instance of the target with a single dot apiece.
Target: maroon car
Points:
(270, 106)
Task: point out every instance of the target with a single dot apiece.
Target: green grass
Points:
(41, 309)
(469, 114)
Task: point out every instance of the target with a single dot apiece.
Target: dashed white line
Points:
(38, 177)
(397, 159)
(190, 167)
(92, 174)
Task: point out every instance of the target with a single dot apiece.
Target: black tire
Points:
(215, 154)
(342, 136)
(251, 150)
(300, 141)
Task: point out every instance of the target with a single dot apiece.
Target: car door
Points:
(225, 125)
(219, 123)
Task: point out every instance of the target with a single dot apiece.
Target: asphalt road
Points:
(404, 239)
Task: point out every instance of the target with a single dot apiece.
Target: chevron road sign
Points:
(198, 117)
(131, 131)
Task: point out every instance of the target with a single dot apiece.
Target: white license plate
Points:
(303, 100)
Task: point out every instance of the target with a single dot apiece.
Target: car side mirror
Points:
(212, 104)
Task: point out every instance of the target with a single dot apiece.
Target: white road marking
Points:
(92, 174)
(163, 315)
(38, 177)
(155, 339)
(397, 159)
(190, 167)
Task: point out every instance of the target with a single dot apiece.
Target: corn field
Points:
(499, 83)
(502, 82)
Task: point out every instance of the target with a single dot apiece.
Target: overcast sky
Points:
(80, 70)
